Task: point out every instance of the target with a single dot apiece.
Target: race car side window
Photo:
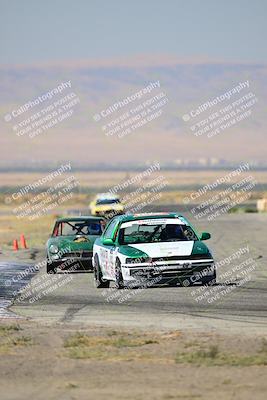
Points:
(109, 229)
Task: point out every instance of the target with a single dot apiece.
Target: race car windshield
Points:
(107, 201)
(156, 233)
(69, 228)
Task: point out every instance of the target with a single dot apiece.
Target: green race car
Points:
(70, 247)
(147, 249)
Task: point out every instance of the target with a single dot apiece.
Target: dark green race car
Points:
(70, 247)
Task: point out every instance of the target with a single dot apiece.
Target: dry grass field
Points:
(97, 362)
(108, 179)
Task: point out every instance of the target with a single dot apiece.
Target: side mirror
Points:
(108, 242)
(205, 236)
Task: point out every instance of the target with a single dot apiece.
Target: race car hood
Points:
(169, 249)
(73, 242)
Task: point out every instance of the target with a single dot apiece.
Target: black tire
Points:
(50, 268)
(172, 282)
(118, 276)
(99, 281)
(209, 280)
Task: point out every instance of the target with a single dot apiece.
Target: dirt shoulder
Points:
(63, 362)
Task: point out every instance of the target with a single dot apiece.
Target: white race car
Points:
(158, 248)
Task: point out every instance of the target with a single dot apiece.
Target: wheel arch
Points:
(118, 259)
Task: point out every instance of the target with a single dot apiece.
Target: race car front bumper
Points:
(79, 261)
(194, 270)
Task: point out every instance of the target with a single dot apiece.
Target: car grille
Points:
(78, 254)
(176, 258)
(171, 270)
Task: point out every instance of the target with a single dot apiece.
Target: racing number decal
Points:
(104, 259)
(107, 259)
(111, 261)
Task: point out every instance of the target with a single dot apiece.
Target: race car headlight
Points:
(53, 249)
(138, 260)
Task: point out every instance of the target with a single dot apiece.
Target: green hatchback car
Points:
(148, 249)
(70, 247)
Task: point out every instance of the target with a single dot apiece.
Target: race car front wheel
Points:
(99, 282)
(209, 280)
(118, 276)
(50, 268)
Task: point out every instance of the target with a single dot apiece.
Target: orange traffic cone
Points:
(15, 245)
(23, 241)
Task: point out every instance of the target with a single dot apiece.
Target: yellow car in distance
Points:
(106, 205)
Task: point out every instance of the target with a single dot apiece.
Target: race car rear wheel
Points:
(99, 282)
(118, 276)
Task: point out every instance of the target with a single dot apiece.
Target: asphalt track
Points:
(242, 307)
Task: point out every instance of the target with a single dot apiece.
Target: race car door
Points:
(107, 253)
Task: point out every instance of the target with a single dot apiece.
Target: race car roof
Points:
(107, 196)
(79, 218)
(134, 217)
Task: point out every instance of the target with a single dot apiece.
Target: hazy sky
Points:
(44, 31)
